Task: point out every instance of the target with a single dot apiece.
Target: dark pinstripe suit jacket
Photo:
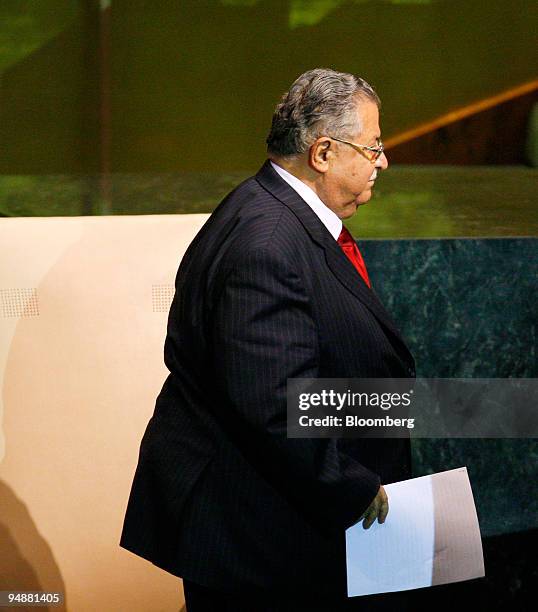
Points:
(220, 495)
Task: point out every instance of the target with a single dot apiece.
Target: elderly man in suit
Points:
(272, 287)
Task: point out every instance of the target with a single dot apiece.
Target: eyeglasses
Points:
(376, 152)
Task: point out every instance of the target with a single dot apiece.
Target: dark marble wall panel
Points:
(467, 308)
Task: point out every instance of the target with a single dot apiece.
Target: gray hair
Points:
(320, 102)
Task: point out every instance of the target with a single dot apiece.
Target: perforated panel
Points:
(161, 297)
(19, 302)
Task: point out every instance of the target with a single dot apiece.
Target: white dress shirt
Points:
(329, 219)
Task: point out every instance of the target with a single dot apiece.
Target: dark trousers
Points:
(199, 598)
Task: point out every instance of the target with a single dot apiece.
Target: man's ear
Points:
(321, 153)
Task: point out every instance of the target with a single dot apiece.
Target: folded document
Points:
(431, 536)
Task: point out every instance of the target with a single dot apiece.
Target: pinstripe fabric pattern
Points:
(220, 495)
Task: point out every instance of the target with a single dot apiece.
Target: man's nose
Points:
(382, 162)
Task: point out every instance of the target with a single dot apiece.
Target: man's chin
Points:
(364, 198)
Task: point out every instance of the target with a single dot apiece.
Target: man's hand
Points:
(379, 508)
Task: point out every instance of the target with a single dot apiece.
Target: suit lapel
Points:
(338, 263)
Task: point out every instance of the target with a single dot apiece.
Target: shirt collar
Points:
(329, 219)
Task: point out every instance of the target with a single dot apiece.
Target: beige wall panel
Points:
(84, 304)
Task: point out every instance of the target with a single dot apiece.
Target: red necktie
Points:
(351, 250)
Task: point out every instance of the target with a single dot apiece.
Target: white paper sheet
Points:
(431, 536)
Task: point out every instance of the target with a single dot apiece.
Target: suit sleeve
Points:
(264, 333)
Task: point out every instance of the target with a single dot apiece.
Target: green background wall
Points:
(194, 82)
